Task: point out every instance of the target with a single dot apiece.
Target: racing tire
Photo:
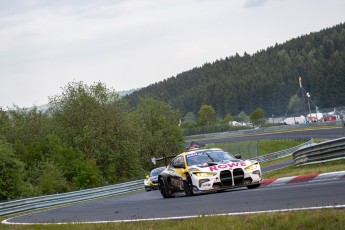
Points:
(163, 188)
(188, 186)
(253, 186)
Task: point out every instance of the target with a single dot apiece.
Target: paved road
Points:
(331, 133)
(152, 205)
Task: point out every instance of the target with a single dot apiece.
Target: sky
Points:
(127, 44)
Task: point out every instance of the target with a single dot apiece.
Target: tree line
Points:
(267, 79)
(88, 137)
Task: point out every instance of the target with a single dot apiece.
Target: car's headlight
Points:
(205, 174)
(251, 167)
(193, 169)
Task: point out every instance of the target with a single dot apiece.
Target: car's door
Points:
(177, 170)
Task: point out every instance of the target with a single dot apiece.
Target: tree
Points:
(159, 130)
(228, 117)
(257, 117)
(296, 105)
(12, 173)
(266, 79)
(189, 121)
(95, 120)
(51, 180)
(242, 117)
(78, 171)
(207, 115)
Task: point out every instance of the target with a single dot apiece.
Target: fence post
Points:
(343, 124)
(248, 150)
(257, 148)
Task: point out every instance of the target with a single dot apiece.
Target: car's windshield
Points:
(156, 171)
(206, 156)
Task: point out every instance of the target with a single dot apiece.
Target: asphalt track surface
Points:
(329, 134)
(151, 205)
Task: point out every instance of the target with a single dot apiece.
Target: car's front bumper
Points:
(151, 186)
(226, 179)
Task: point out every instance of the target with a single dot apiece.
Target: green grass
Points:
(272, 162)
(271, 146)
(311, 219)
(249, 149)
(331, 166)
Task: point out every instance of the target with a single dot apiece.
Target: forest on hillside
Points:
(267, 79)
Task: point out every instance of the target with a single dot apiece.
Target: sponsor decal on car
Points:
(229, 165)
(196, 154)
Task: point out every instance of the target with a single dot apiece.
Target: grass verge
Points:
(309, 219)
(331, 166)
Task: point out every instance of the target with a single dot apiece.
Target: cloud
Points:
(255, 3)
(133, 43)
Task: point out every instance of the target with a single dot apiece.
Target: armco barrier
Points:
(283, 153)
(15, 206)
(325, 151)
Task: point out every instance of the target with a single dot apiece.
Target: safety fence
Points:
(325, 151)
(22, 205)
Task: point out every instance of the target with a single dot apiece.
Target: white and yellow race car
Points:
(208, 170)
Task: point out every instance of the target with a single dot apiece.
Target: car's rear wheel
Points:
(253, 186)
(163, 188)
(188, 186)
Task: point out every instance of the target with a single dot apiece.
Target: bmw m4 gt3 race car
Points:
(208, 170)
(151, 181)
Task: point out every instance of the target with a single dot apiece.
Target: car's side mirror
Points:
(238, 156)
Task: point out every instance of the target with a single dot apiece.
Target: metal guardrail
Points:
(283, 153)
(325, 151)
(22, 205)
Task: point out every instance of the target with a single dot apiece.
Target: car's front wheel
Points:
(188, 186)
(163, 188)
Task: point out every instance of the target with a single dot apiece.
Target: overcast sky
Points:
(129, 44)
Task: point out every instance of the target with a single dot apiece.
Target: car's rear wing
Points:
(164, 157)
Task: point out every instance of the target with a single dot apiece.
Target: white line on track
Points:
(187, 217)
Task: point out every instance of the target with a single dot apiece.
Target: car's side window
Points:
(178, 162)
